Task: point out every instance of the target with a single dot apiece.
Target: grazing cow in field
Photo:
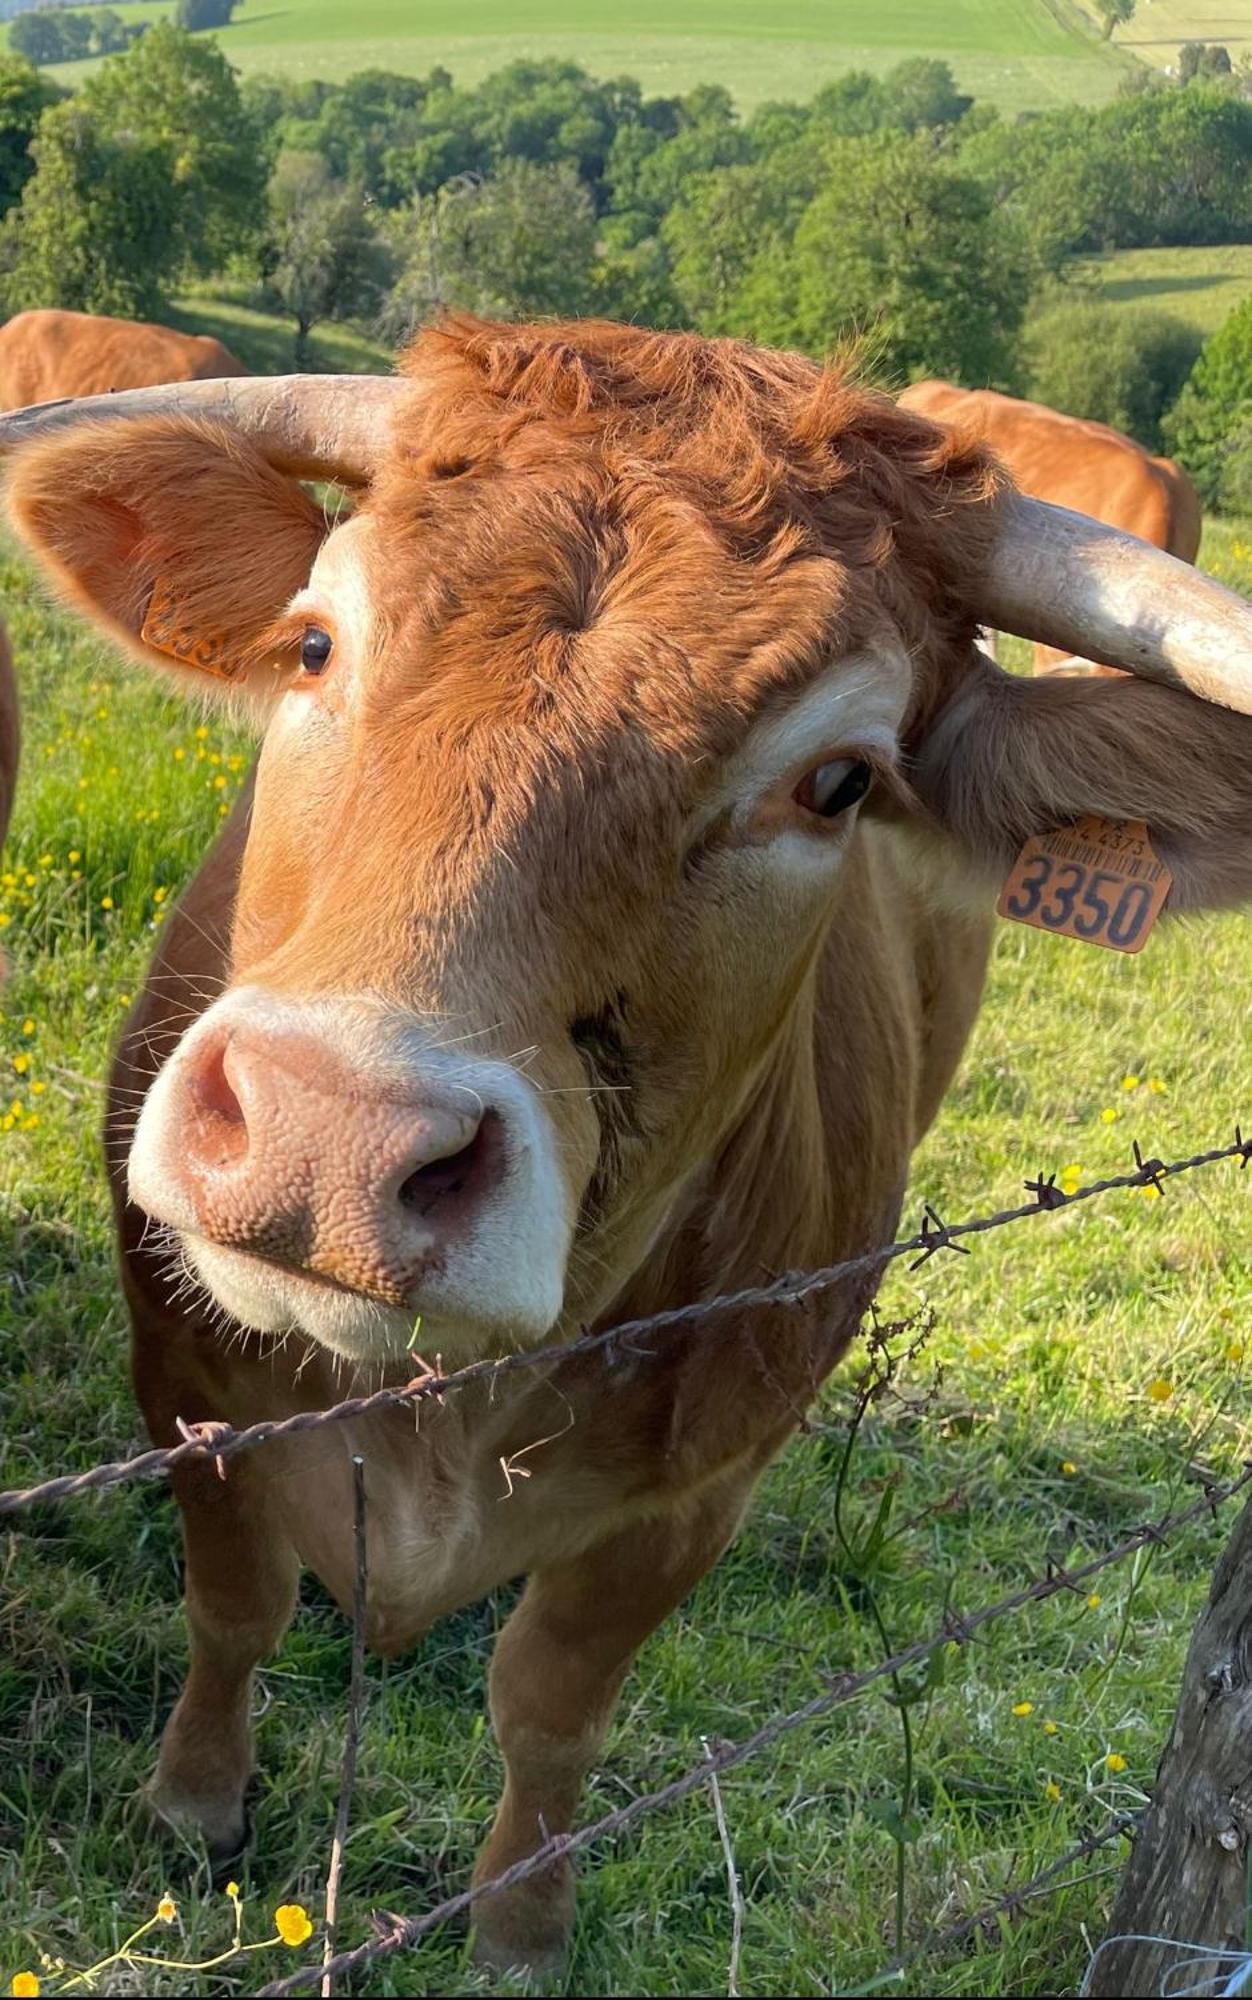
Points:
(1074, 463)
(602, 933)
(46, 354)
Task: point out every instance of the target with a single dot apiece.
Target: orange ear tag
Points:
(165, 632)
(1097, 880)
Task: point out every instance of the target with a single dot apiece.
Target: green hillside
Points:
(1017, 53)
(1199, 283)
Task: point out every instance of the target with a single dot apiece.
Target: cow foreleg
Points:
(558, 1668)
(241, 1580)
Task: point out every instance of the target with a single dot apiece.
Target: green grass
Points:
(1199, 284)
(1048, 1338)
(264, 343)
(1018, 53)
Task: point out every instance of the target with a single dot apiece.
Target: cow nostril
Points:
(464, 1173)
(217, 1129)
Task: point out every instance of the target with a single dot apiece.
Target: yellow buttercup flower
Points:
(1156, 1086)
(21, 1064)
(106, 902)
(28, 1026)
(1024, 1708)
(1071, 1177)
(1068, 1467)
(1052, 1790)
(1050, 1729)
(1094, 1601)
(1115, 1761)
(1160, 1390)
(25, 1985)
(1130, 1083)
(167, 1908)
(159, 895)
(232, 1890)
(291, 1921)
(1110, 1115)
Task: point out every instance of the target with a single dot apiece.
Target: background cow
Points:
(1074, 463)
(602, 932)
(47, 353)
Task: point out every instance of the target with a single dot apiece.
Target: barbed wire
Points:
(394, 1933)
(219, 1442)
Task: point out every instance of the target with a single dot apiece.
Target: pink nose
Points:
(284, 1151)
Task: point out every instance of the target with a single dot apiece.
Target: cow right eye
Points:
(315, 650)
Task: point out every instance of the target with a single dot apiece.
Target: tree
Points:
(921, 95)
(901, 247)
(324, 258)
(52, 35)
(96, 227)
(1164, 166)
(1121, 365)
(110, 34)
(1187, 1876)
(181, 95)
(1113, 14)
(196, 14)
(1210, 426)
(1210, 61)
(517, 244)
(724, 225)
(24, 97)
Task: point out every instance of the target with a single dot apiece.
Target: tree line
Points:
(894, 210)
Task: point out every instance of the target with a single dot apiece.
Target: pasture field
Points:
(265, 343)
(1018, 53)
(1078, 1366)
(1157, 29)
(1199, 283)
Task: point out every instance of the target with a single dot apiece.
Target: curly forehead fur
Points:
(726, 495)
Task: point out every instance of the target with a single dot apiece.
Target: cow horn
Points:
(1064, 580)
(314, 426)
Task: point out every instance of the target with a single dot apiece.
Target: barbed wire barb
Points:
(220, 1442)
(393, 1934)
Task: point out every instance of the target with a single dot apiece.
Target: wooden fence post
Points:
(1187, 1876)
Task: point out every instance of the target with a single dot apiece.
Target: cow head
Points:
(572, 735)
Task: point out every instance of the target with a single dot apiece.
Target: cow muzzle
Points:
(333, 1171)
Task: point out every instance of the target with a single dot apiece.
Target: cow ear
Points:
(176, 538)
(1009, 757)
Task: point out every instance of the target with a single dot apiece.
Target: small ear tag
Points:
(1097, 880)
(164, 630)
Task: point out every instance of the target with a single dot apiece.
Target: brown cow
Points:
(603, 932)
(46, 354)
(1087, 466)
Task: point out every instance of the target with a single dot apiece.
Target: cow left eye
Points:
(831, 788)
(315, 649)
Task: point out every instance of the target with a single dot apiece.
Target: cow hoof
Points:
(524, 1932)
(220, 1821)
(525, 1971)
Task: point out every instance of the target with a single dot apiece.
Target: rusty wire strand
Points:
(219, 1442)
(393, 1933)
(936, 1942)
